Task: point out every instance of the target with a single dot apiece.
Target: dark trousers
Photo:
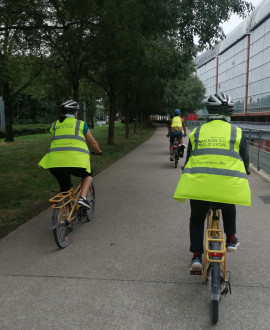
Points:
(63, 175)
(198, 214)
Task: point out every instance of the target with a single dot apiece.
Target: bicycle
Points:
(215, 261)
(178, 150)
(66, 212)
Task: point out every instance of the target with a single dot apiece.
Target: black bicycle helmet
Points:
(69, 107)
(220, 104)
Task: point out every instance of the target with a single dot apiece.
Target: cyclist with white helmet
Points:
(69, 154)
(215, 171)
(175, 129)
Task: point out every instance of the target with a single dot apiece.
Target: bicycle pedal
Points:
(195, 272)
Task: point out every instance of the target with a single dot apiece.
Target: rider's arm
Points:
(92, 142)
(184, 127)
(243, 151)
(169, 126)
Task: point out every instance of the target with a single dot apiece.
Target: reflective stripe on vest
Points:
(215, 171)
(69, 149)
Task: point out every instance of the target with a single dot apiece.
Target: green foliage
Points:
(34, 185)
(28, 129)
(138, 52)
(186, 95)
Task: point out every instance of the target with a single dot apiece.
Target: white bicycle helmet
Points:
(70, 107)
(220, 104)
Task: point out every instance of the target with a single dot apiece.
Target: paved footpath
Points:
(129, 267)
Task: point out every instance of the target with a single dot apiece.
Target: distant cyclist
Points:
(216, 170)
(68, 154)
(175, 129)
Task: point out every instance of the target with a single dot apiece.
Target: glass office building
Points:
(240, 66)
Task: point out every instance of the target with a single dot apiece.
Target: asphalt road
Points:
(129, 267)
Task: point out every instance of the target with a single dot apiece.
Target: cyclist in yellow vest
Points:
(69, 154)
(215, 171)
(175, 129)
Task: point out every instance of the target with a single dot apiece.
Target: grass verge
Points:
(26, 188)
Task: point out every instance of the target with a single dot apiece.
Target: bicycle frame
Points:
(214, 234)
(63, 199)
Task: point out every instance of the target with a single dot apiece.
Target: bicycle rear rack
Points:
(63, 201)
(211, 255)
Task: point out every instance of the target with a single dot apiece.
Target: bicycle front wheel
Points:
(215, 290)
(91, 197)
(62, 229)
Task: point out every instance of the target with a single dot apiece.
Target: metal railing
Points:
(259, 148)
(258, 137)
(255, 125)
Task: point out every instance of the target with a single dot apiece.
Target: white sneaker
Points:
(196, 265)
(84, 202)
(232, 246)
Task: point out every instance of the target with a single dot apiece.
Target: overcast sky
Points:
(235, 20)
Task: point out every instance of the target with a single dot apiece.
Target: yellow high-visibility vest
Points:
(68, 146)
(215, 171)
(176, 124)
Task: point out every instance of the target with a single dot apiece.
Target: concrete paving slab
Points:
(129, 267)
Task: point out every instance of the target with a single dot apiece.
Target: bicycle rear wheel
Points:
(175, 155)
(215, 290)
(91, 197)
(214, 311)
(62, 229)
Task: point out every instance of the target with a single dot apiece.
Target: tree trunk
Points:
(111, 95)
(127, 115)
(141, 120)
(8, 113)
(127, 124)
(75, 90)
(136, 122)
(92, 125)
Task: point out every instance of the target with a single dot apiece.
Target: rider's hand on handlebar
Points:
(96, 153)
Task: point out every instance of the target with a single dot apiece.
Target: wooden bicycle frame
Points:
(65, 198)
(214, 234)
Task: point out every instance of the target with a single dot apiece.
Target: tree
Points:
(186, 95)
(97, 36)
(90, 96)
(18, 65)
